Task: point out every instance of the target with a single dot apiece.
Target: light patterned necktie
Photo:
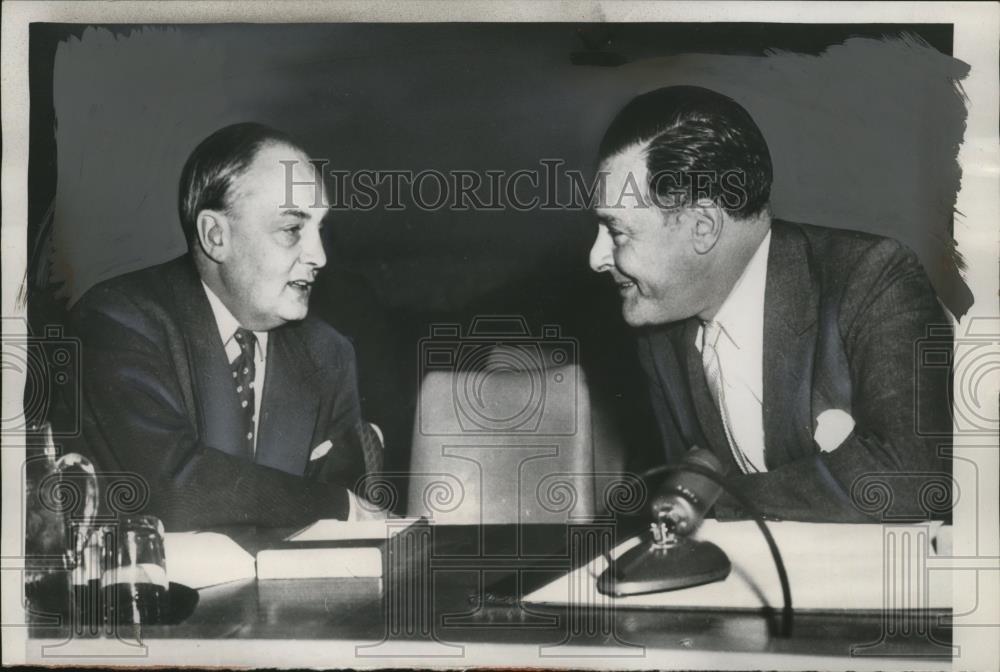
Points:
(243, 374)
(713, 376)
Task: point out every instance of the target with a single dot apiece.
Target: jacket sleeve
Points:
(890, 465)
(344, 464)
(137, 420)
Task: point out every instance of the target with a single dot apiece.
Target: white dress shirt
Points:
(228, 325)
(741, 356)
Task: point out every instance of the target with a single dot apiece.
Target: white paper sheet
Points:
(199, 559)
(342, 530)
(830, 567)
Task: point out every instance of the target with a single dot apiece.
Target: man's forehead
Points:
(630, 161)
(282, 171)
(624, 182)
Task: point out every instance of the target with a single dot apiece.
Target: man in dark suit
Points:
(786, 349)
(205, 375)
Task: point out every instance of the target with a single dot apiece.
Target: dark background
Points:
(863, 121)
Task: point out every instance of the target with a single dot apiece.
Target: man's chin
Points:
(637, 318)
(634, 320)
(294, 315)
(293, 311)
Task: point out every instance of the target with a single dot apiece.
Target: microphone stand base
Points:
(655, 568)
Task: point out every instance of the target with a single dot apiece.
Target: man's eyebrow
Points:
(294, 212)
(610, 221)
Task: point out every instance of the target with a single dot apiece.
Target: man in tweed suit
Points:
(786, 349)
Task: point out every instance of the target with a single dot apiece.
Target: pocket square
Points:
(832, 427)
(320, 450)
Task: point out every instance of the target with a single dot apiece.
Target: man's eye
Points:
(291, 233)
(616, 236)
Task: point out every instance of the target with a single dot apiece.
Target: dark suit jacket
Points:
(159, 401)
(846, 316)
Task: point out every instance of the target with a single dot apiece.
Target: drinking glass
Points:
(134, 581)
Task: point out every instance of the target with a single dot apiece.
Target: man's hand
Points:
(362, 509)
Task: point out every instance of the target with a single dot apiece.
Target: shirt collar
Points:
(741, 315)
(744, 307)
(227, 324)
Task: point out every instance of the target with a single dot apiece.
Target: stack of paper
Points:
(199, 559)
(331, 549)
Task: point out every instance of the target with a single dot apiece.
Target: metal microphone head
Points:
(685, 497)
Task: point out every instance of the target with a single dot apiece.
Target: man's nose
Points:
(601, 257)
(312, 249)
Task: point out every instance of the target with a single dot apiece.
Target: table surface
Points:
(464, 585)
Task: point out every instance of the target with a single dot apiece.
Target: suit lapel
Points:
(290, 403)
(219, 420)
(664, 348)
(790, 308)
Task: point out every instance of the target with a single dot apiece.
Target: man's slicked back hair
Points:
(214, 164)
(693, 131)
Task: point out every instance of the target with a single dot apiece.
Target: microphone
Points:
(686, 496)
(666, 559)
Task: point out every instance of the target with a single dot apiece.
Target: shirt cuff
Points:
(352, 506)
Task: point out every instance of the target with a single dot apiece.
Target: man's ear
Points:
(707, 221)
(212, 229)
